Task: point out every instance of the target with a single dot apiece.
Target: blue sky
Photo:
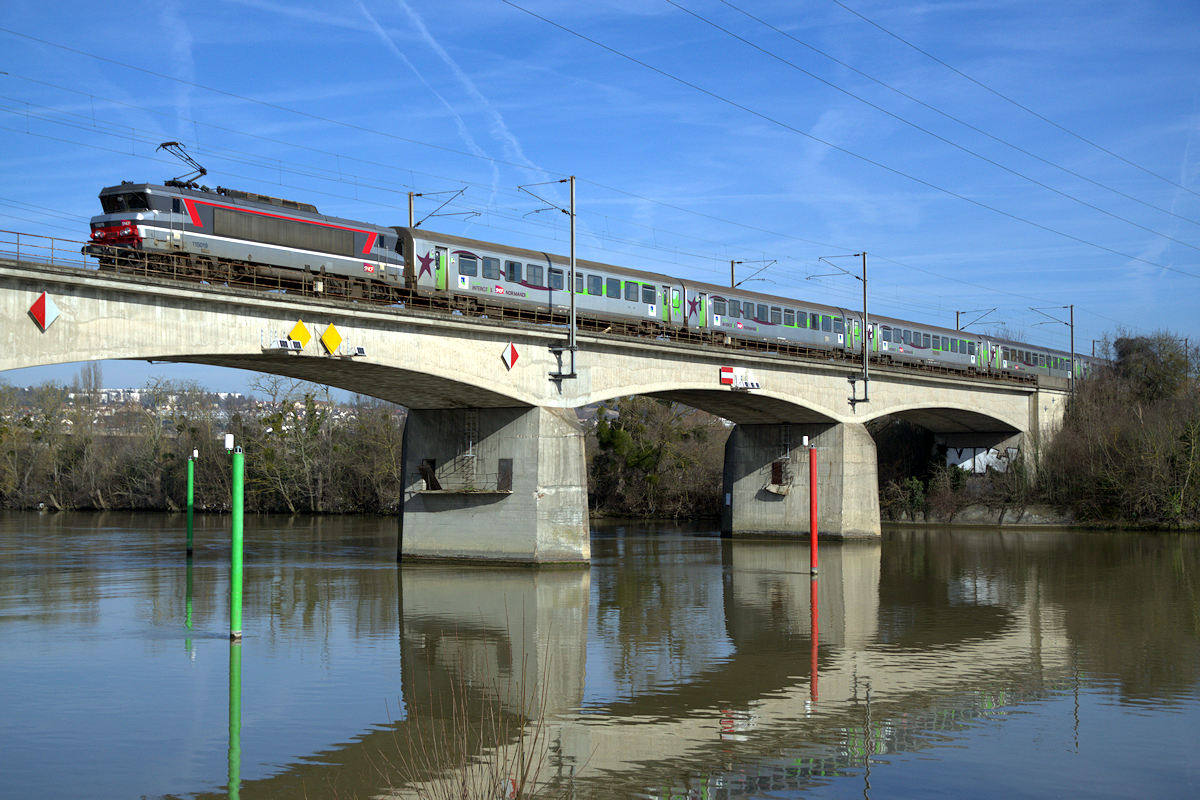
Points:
(984, 154)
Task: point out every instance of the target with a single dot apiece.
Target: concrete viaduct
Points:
(494, 455)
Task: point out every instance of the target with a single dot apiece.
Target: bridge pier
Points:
(766, 481)
(495, 485)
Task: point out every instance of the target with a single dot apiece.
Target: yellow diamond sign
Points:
(300, 333)
(331, 339)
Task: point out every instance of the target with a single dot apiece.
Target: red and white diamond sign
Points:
(510, 355)
(44, 311)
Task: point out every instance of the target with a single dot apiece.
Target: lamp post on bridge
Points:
(571, 347)
(866, 323)
(982, 314)
(1069, 323)
(765, 262)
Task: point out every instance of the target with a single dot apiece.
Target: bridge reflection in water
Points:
(682, 666)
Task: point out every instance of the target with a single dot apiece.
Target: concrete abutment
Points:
(495, 485)
(766, 485)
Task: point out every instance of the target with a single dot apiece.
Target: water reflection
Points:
(678, 665)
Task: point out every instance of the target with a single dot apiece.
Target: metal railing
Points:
(42, 249)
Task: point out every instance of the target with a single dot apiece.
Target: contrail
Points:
(499, 128)
(463, 131)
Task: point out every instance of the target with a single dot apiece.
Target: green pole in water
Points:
(235, 720)
(235, 553)
(191, 498)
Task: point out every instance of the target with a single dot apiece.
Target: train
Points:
(240, 237)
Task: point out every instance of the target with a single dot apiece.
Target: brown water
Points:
(679, 665)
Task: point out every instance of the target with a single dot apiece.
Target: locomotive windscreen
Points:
(284, 232)
(128, 201)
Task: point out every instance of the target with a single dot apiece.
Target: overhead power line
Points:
(865, 159)
(930, 133)
(961, 121)
(1019, 105)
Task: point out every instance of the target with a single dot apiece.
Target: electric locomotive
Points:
(194, 225)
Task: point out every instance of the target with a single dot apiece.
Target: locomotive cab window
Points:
(467, 265)
(512, 271)
(128, 201)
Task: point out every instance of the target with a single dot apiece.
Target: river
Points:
(679, 665)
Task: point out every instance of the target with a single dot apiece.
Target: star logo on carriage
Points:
(694, 307)
(426, 265)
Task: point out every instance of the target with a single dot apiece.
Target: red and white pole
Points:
(812, 507)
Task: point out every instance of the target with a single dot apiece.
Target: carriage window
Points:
(468, 265)
(735, 308)
(512, 271)
(1004, 354)
(718, 307)
(647, 294)
(971, 348)
(814, 321)
(826, 323)
(838, 328)
(954, 345)
(760, 312)
(578, 283)
(556, 278)
(925, 341)
(906, 336)
(776, 315)
(595, 284)
(533, 274)
(887, 333)
(612, 288)
(491, 268)
(789, 317)
(631, 291)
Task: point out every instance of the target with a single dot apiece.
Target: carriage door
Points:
(697, 310)
(441, 265)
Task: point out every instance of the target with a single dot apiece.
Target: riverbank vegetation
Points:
(1128, 452)
(61, 449)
